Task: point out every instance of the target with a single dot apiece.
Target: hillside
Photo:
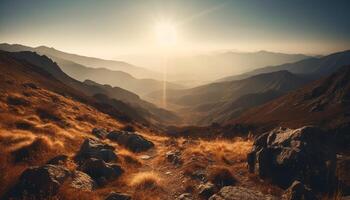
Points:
(217, 102)
(325, 102)
(315, 67)
(113, 78)
(82, 60)
(46, 127)
(123, 100)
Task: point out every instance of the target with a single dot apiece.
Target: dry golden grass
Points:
(146, 181)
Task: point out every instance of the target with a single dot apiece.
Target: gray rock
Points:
(99, 170)
(58, 160)
(82, 181)
(298, 191)
(240, 193)
(100, 133)
(174, 157)
(286, 155)
(93, 148)
(118, 196)
(42, 181)
(184, 196)
(206, 190)
(130, 140)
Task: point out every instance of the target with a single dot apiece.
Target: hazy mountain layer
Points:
(317, 67)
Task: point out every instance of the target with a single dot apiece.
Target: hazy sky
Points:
(108, 28)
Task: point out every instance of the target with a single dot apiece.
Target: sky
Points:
(111, 28)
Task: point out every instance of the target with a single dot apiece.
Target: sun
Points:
(166, 34)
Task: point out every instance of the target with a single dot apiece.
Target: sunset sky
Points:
(115, 27)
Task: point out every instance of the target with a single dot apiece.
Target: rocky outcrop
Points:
(93, 148)
(174, 157)
(286, 155)
(298, 191)
(42, 181)
(130, 140)
(100, 170)
(240, 193)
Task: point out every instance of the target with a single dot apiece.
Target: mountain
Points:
(317, 66)
(216, 65)
(217, 102)
(113, 78)
(83, 60)
(121, 99)
(325, 102)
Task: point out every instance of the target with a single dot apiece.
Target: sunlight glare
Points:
(166, 34)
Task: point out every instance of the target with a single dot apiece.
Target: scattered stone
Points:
(168, 173)
(93, 148)
(42, 181)
(285, 155)
(206, 190)
(298, 191)
(58, 160)
(199, 175)
(82, 181)
(184, 196)
(100, 133)
(118, 196)
(240, 193)
(130, 140)
(145, 157)
(174, 157)
(100, 170)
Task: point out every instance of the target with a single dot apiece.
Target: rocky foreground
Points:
(289, 164)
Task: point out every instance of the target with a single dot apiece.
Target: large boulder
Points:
(42, 181)
(100, 170)
(286, 155)
(130, 140)
(240, 193)
(93, 148)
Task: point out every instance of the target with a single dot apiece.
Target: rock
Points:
(145, 157)
(58, 160)
(100, 170)
(42, 181)
(130, 140)
(118, 196)
(92, 148)
(286, 155)
(82, 181)
(174, 157)
(343, 168)
(184, 196)
(298, 191)
(240, 193)
(206, 190)
(100, 133)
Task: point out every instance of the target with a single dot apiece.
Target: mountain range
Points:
(114, 73)
(122, 100)
(317, 66)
